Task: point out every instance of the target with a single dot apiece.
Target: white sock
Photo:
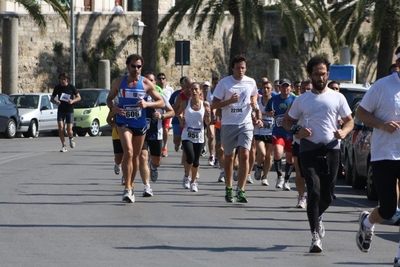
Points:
(368, 224)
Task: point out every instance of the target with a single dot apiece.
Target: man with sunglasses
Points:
(131, 117)
(162, 82)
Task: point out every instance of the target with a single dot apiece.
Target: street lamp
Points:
(308, 38)
(138, 27)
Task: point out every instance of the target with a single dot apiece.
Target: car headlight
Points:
(87, 112)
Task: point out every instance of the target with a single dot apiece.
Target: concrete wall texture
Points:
(42, 57)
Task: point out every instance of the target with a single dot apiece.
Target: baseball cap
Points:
(283, 81)
(206, 83)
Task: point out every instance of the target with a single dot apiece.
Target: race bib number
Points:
(236, 110)
(193, 133)
(132, 112)
(65, 97)
(278, 121)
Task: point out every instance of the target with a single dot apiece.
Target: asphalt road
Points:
(65, 209)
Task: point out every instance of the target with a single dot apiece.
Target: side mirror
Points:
(44, 108)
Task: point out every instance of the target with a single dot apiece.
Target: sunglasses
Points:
(135, 66)
(161, 78)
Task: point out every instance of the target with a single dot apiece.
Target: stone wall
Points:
(41, 57)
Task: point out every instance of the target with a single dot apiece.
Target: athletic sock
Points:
(278, 166)
(288, 171)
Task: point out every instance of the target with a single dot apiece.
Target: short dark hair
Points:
(333, 82)
(182, 79)
(161, 74)
(394, 65)
(63, 74)
(296, 82)
(148, 73)
(316, 61)
(267, 82)
(237, 59)
(134, 57)
(397, 50)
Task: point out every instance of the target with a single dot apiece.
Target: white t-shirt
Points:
(268, 122)
(383, 100)
(240, 112)
(320, 113)
(168, 91)
(117, 9)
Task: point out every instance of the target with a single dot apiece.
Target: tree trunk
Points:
(149, 38)
(238, 44)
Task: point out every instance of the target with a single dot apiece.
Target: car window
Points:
(45, 102)
(352, 97)
(103, 97)
(8, 101)
(88, 99)
(2, 101)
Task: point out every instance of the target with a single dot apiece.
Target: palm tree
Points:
(34, 9)
(248, 20)
(384, 16)
(149, 42)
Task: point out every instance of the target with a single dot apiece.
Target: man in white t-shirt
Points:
(162, 82)
(380, 108)
(236, 96)
(117, 8)
(319, 147)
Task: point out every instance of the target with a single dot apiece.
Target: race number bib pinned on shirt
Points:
(193, 133)
(132, 111)
(268, 122)
(65, 97)
(278, 120)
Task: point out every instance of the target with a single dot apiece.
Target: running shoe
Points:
(128, 196)
(364, 235)
(320, 228)
(396, 262)
(249, 180)
(221, 178)
(286, 186)
(302, 202)
(164, 152)
(153, 174)
(396, 217)
(216, 164)
(279, 182)
(117, 168)
(229, 195)
(147, 191)
(123, 181)
(186, 182)
(203, 152)
(241, 196)
(176, 147)
(257, 173)
(193, 187)
(72, 142)
(264, 181)
(316, 244)
(63, 149)
(211, 161)
(235, 174)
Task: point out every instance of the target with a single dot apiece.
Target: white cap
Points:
(207, 83)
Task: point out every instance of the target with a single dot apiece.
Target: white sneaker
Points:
(123, 181)
(211, 161)
(128, 196)
(186, 182)
(279, 182)
(72, 142)
(216, 164)
(321, 228)
(197, 175)
(316, 244)
(63, 149)
(257, 173)
(221, 178)
(193, 187)
(286, 186)
(249, 180)
(302, 202)
(117, 168)
(264, 181)
(147, 191)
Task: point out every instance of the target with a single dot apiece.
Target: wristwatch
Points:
(162, 117)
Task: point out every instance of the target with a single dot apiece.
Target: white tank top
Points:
(194, 124)
(267, 121)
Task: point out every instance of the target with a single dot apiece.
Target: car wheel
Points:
(371, 190)
(94, 128)
(357, 182)
(11, 129)
(348, 172)
(32, 131)
(81, 133)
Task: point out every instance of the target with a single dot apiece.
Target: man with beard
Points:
(319, 146)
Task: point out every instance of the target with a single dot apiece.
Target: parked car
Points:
(353, 92)
(91, 112)
(357, 157)
(9, 117)
(37, 113)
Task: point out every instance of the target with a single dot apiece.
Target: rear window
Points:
(351, 96)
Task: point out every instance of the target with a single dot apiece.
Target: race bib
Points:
(193, 133)
(278, 121)
(236, 110)
(65, 97)
(132, 112)
(267, 123)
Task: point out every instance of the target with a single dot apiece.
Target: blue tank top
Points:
(135, 117)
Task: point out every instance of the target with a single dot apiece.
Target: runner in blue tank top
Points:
(131, 116)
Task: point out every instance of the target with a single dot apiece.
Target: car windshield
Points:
(26, 101)
(352, 97)
(88, 99)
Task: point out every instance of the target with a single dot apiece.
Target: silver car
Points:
(36, 112)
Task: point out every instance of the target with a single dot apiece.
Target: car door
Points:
(48, 115)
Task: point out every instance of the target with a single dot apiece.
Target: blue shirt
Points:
(279, 105)
(172, 100)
